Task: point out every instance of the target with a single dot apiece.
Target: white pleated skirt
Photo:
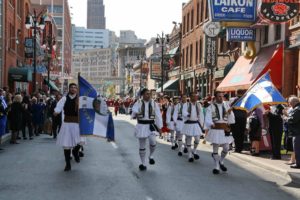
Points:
(179, 125)
(171, 126)
(218, 137)
(69, 135)
(191, 130)
(143, 131)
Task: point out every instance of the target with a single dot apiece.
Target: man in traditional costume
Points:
(193, 120)
(69, 135)
(149, 118)
(218, 118)
(178, 118)
(171, 122)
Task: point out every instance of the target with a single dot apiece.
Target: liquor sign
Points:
(28, 47)
(240, 34)
(279, 11)
(233, 10)
(211, 51)
(155, 69)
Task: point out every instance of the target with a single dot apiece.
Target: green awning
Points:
(51, 85)
(170, 86)
(173, 52)
(20, 74)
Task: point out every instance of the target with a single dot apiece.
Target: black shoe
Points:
(275, 158)
(18, 138)
(176, 145)
(24, 138)
(151, 161)
(196, 156)
(142, 168)
(191, 159)
(179, 153)
(255, 154)
(75, 153)
(295, 166)
(173, 147)
(81, 154)
(216, 171)
(223, 168)
(67, 168)
(31, 138)
(185, 150)
(1, 149)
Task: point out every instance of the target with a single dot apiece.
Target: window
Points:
(187, 57)
(201, 8)
(183, 26)
(58, 20)
(198, 13)
(266, 35)
(277, 32)
(12, 43)
(206, 10)
(59, 32)
(192, 19)
(12, 3)
(182, 57)
(19, 8)
(188, 22)
(191, 55)
(200, 50)
(56, 9)
(197, 56)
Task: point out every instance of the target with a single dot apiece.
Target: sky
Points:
(146, 17)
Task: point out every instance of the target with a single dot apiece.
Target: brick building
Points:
(194, 75)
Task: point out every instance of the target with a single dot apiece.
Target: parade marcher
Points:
(171, 122)
(69, 136)
(218, 119)
(149, 120)
(193, 125)
(3, 115)
(294, 128)
(179, 123)
(56, 119)
(239, 127)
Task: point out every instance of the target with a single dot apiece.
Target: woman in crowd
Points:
(38, 115)
(15, 117)
(27, 118)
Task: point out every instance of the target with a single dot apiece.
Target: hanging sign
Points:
(233, 10)
(279, 11)
(211, 51)
(240, 34)
(212, 29)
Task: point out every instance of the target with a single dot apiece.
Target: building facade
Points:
(84, 39)
(96, 14)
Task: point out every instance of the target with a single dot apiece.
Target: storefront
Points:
(19, 78)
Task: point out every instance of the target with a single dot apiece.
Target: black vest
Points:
(71, 106)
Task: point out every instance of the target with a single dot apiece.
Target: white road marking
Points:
(114, 145)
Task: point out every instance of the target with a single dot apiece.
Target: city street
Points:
(34, 170)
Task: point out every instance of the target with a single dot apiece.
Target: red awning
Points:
(245, 72)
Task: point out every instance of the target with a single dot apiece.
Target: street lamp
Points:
(32, 22)
(162, 40)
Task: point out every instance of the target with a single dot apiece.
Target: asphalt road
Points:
(33, 170)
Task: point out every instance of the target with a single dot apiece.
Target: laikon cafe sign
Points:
(279, 11)
(240, 34)
(233, 10)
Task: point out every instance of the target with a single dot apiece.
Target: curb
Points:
(290, 176)
(5, 138)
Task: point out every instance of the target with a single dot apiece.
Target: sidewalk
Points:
(5, 138)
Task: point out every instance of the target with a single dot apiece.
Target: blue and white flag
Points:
(262, 91)
(94, 118)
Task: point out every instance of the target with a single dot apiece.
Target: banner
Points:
(233, 10)
(211, 52)
(94, 118)
(155, 69)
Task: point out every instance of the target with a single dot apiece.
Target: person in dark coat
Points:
(56, 119)
(3, 115)
(15, 117)
(27, 118)
(238, 129)
(276, 130)
(294, 128)
(38, 115)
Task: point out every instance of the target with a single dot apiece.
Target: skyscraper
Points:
(96, 14)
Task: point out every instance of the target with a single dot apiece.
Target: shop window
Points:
(277, 32)
(266, 35)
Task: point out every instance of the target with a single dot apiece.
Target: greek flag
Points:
(94, 118)
(262, 91)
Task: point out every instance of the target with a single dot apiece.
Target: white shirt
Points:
(193, 116)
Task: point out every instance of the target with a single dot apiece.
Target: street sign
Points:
(279, 11)
(212, 29)
(155, 70)
(211, 51)
(233, 10)
(28, 47)
(240, 34)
